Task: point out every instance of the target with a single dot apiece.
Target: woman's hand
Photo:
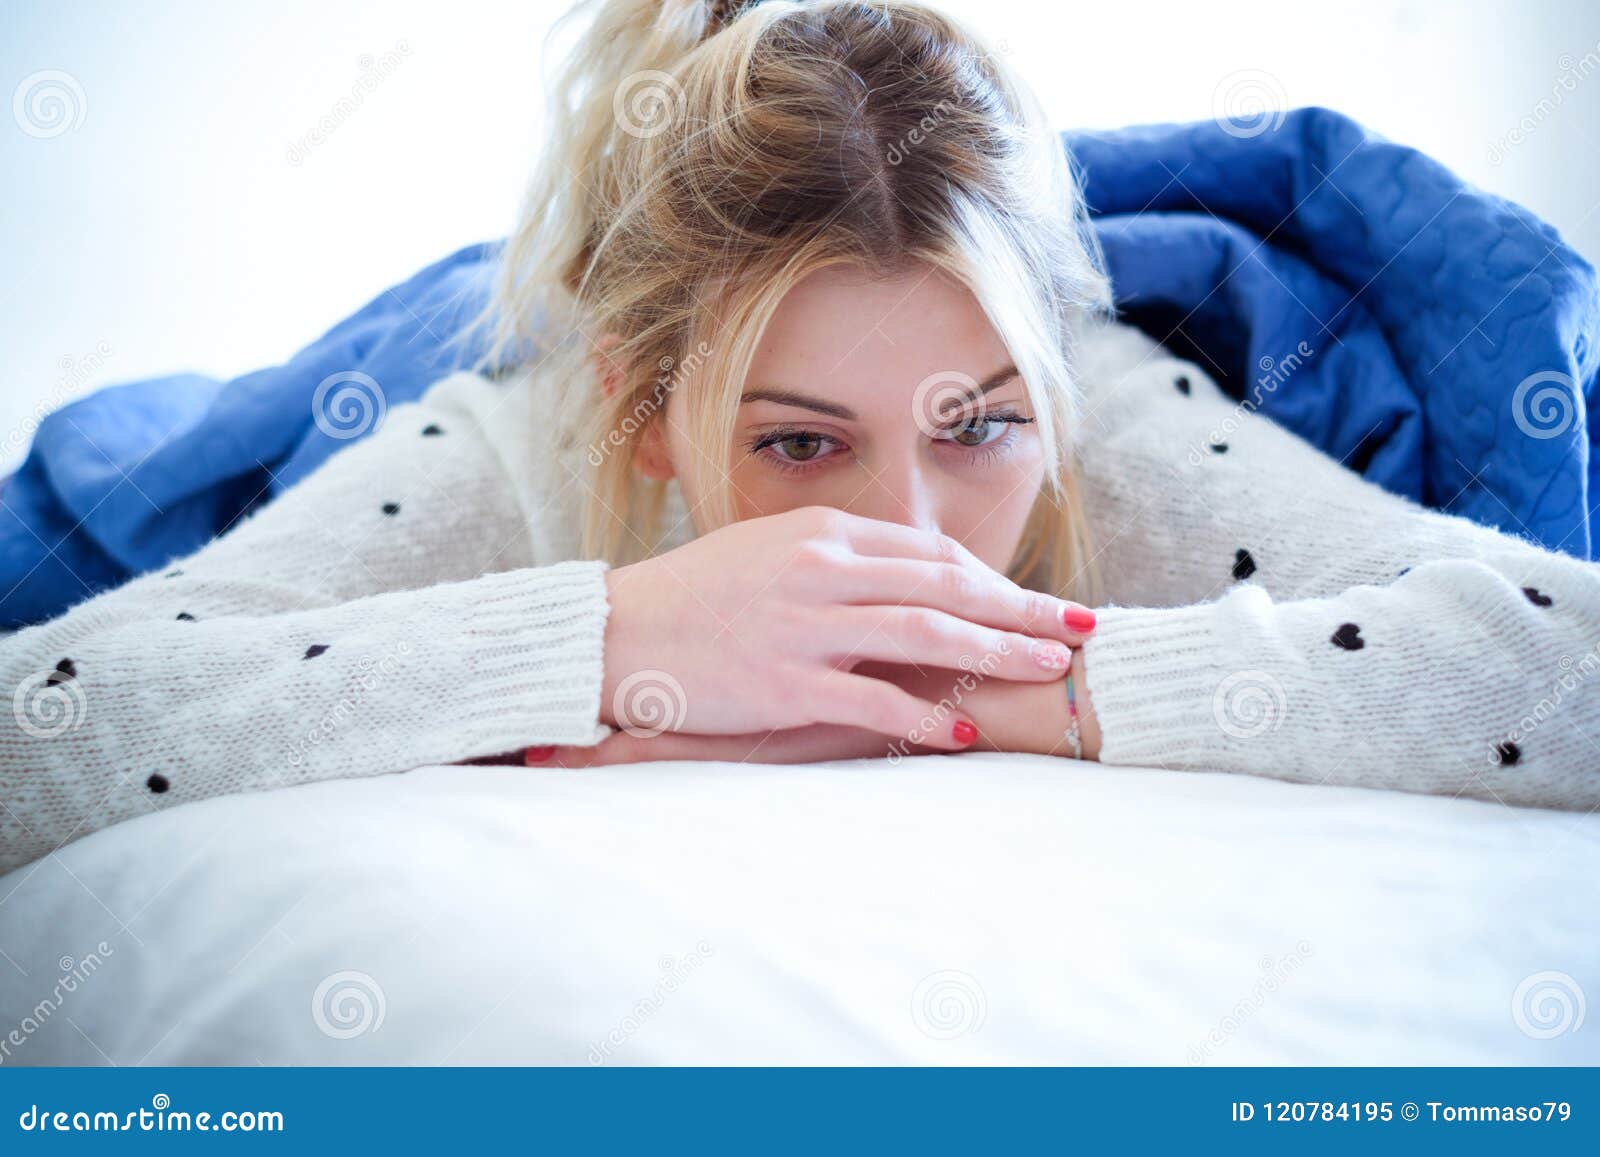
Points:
(1010, 716)
(760, 626)
(814, 743)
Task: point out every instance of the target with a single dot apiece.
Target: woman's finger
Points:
(792, 745)
(873, 536)
(977, 594)
(624, 747)
(922, 637)
(876, 705)
(963, 585)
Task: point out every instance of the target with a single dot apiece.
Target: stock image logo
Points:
(348, 404)
(946, 399)
(50, 703)
(647, 703)
(1248, 103)
(348, 1004)
(1547, 1005)
(1546, 404)
(647, 103)
(49, 103)
(1249, 703)
(949, 1004)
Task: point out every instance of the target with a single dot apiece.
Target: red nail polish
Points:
(533, 755)
(965, 733)
(1079, 619)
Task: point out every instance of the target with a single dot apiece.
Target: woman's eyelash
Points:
(781, 434)
(1004, 416)
(981, 454)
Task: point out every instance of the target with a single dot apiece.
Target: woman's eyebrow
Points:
(806, 402)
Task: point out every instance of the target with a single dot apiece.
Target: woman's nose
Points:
(898, 493)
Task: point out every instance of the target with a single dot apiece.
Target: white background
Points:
(170, 231)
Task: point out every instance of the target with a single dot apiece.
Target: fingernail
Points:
(964, 733)
(1079, 619)
(533, 755)
(1051, 656)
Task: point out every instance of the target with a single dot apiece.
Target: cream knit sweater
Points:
(418, 600)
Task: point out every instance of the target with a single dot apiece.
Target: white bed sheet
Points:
(949, 910)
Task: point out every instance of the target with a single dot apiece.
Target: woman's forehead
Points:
(838, 330)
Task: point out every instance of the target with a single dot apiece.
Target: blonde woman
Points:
(827, 448)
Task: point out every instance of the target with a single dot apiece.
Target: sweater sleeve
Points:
(1276, 614)
(389, 611)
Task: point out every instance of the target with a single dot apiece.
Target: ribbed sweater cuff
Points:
(534, 653)
(1160, 695)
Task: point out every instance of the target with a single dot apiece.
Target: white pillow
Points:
(970, 909)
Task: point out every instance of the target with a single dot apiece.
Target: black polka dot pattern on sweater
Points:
(1537, 597)
(1182, 382)
(1509, 753)
(1218, 447)
(186, 617)
(314, 650)
(66, 669)
(1244, 564)
(1348, 636)
(432, 430)
(391, 508)
(157, 783)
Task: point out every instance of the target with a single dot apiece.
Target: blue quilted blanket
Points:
(1440, 340)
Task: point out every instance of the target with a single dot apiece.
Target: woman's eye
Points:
(799, 447)
(978, 432)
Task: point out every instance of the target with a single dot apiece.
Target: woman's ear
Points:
(650, 456)
(606, 371)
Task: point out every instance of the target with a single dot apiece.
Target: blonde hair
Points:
(705, 155)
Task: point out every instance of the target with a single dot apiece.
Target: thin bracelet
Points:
(1074, 743)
